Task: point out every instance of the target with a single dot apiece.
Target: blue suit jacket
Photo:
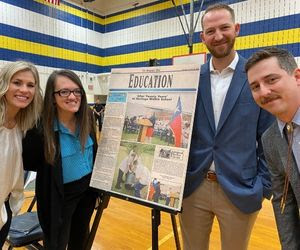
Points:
(235, 146)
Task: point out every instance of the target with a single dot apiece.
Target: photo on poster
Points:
(167, 124)
(132, 174)
(164, 193)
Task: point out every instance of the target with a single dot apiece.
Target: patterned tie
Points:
(288, 132)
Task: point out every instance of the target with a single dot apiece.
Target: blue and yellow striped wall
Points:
(69, 36)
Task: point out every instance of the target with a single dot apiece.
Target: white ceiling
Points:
(106, 7)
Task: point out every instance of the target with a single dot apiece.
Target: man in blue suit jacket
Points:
(227, 176)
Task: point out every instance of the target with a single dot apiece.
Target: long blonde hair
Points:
(26, 117)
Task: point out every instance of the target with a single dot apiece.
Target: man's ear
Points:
(297, 75)
(202, 36)
(237, 27)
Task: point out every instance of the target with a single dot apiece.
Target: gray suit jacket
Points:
(288, 224)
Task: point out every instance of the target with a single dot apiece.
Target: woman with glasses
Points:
(62, 151)
(20, 105)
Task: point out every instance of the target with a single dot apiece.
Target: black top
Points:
(49, 181)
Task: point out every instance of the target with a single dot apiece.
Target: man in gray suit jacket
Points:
(274, 79)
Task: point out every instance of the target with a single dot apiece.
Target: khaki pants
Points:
(199, 210)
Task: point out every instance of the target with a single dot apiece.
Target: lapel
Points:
(237, 83)
(282, 147)
(57, 168)
(205, 92)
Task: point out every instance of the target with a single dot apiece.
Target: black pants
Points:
(119, 179)
(79, 203)
(4, 230)
(99, 123)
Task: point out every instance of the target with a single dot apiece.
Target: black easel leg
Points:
(155, 215)
(175, 231)
(103, 203)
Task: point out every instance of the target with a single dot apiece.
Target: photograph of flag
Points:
(175, 123)
(56, 2)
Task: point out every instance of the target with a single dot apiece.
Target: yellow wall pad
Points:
(73, 11)
(143, 11)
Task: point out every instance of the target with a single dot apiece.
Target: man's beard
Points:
(229, 46)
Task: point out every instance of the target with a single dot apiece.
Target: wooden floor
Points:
(127, 226)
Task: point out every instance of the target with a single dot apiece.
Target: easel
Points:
(155, 219)
(103, 203)
(155, 215)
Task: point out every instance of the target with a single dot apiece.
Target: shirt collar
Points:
(58, 126)
(231, 66)
(296, 120)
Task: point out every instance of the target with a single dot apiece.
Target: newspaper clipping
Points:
(144, 145)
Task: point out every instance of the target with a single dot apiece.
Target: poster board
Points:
(146, 133)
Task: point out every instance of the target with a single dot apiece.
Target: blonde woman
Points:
(20, 105)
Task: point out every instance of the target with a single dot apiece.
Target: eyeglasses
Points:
(67, 92)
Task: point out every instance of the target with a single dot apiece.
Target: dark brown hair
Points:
(285, 59)
(50, 114)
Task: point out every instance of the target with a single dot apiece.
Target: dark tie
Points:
(288, 133)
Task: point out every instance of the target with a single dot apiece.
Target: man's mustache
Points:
(224, 41)
(270, 98)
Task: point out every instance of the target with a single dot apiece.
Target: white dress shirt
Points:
(220, 82)
(142, 173)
